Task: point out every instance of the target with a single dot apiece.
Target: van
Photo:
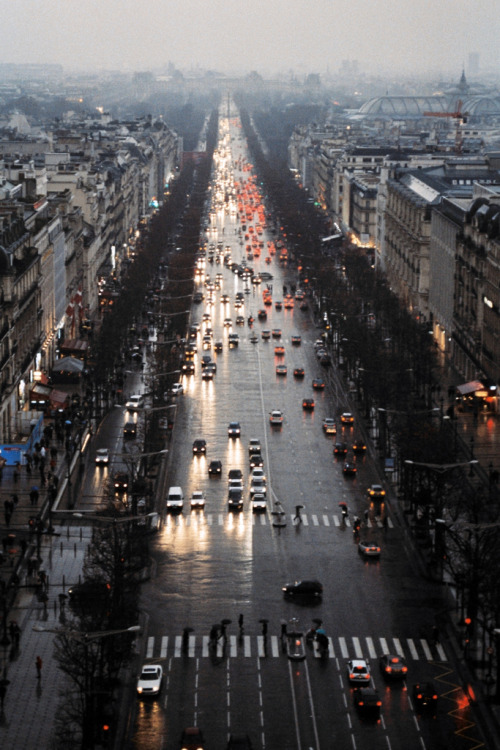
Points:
(175, 499)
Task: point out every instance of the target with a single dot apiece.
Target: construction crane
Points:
(461, 119)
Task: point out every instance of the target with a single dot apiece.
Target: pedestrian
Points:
(297, 517)
(38, 664)
(240, 623)
(34, 495)
(283, 629)
(3, 693)
(264, 628)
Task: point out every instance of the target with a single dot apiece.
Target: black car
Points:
(129, 430)
(187, 368)
(256, 461)
(359, 447)
(309, 589)
(120, 481)
(425, 697)
(340, 449)
(215, 468)
(235, 474)
(239, 742)
(199, 447)
(235, 499)
(192, 739)
(367, 701)
(349, 468)
(89, 593)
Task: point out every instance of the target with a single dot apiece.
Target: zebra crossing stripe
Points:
(357, 648)
(385, 647)
(178, 646)
(412, 647)
(164, 646)
(371, 648)
(305, 520)
(221, 519)
(191, 645)
(211, 519)
(441, 652)
(315, 520)
(336, 521)
(246, 646)
(149, 649)
(233, 649)
(398, 647)
(331, 650)
(261, 651)
(326, 520)
(205, 646)
(275, 646)
(426, 648)
(343, 648)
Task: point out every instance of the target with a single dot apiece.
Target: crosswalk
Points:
(262, 519)
(341, 647)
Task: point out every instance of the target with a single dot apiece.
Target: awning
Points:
(58, 399)
(40, 392)
(68, 364)
(74, 346)
(471, 387)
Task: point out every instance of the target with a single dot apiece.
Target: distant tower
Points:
(474, 64)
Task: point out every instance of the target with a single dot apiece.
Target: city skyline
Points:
(390, 37)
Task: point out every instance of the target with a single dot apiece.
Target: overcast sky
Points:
(270, 36)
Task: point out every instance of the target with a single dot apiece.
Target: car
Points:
(258, 473)
(218, 347)
(89, 592)
(276, 333)
(215, 468)
(347, 419)
(281, 370)
(258, 485)
(325, 359)
(233, 339)
(358, 671)
(187, 368)
(102, 457)
(175, 499)
(225, 299)
(176, 389)
(207, 373)
(207, 343)
(206, 360)
(279, 351)
(135, 402)
(318, 384)
(199, 447)
(359, 447)
(234, 474)
(198, 298)
(259, 502)
(239, 742)
(150, 679)
(296, 340)
(299, 372)
(129, 429)
(228, 322)
(206, 317)
(376, 492)
(308, 404)
(234, 430)
(262, 315)
(276, 417)
(340, 449)
(393, 667)
(235, 498)
(307, 588)
(198, 499)
(367, 701)
(120, 481)
(256, 460)
(235, 484)
(254, 446)
(192, 739)
(349, 468)
(329, 426)
(266, 335)
(368, 549)
(278, 306)
(425, 696)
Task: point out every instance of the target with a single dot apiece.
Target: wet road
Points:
(213, 565)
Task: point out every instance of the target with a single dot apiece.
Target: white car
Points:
(358, 671)
(150, 679)
(102, 457)
(135, 402)
(258, 486)
(259, 502)
(177, 388)
(198, 499)
(258, 473)
(276, 417)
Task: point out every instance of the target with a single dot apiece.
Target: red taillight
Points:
(361, 703)
(419, 696)
(434, 697)
(388, 669)
(405, 669)
(379, 703)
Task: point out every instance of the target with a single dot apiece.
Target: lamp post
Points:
(86, 639)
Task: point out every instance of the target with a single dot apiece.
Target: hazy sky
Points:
(407, 36)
